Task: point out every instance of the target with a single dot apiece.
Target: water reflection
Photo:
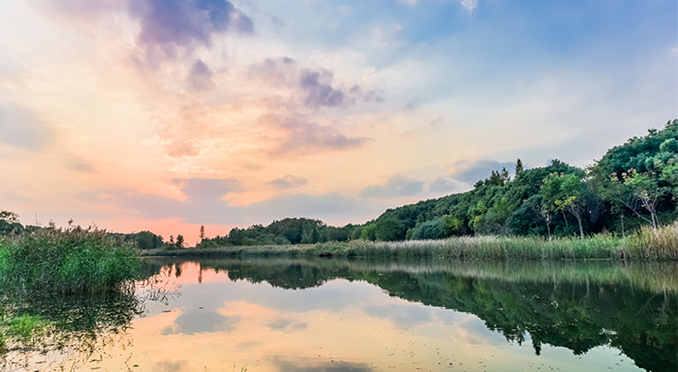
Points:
(70, 330)
(334, 315)
(578, 307)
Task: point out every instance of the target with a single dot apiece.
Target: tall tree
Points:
(566, 193)
(519, 167)
(647, 189)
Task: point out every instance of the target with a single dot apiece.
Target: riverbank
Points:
(646, 245)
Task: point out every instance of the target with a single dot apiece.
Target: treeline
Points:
(632, 185)
(283, 232)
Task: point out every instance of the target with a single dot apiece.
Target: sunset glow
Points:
(166, 115)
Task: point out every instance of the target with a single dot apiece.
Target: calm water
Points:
(333, 315)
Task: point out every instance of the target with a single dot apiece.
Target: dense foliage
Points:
(283, 232)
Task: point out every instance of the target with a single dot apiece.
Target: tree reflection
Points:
(575, 308)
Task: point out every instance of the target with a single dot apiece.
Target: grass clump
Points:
(73, 260)
(654, 244)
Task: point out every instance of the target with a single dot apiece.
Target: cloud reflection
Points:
(201, 321)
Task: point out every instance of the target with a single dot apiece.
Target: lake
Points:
(340, 315)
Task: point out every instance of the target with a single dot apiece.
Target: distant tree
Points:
(357, 232)
(369, 232)
(202, 232)
(9, 217)
(390, 229)
(9, 223)
(147, 240)
(180, 241)
(519, 167)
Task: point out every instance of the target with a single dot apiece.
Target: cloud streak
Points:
(298, 135)
(204, 206)
(167, 25)
(395, 186)
(316, 87)
(287, 182)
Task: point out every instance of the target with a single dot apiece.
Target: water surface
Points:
(335, 315)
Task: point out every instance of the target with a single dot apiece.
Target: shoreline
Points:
(648, 245)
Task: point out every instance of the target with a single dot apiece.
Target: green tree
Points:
(647, 189)
(9, 223)
(519, 167)
(390, 229)
(369, 232)
(147, 240)
(566, 193)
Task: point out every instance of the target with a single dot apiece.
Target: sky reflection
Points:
(220, 324)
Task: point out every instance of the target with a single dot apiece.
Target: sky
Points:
(165, 115)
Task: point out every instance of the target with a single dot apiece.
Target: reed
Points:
(73, 260)
(654, 244)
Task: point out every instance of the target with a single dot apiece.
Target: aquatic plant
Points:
(67, 261)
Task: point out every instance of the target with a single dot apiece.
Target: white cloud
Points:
(469, 4)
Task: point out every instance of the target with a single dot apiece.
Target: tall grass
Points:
(459, 248)
(482, 248)
(73, 260)
(654, 244)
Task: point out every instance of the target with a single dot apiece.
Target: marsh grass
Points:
(655, 244)
(647, 245)
(73, 260)
(461, 248)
